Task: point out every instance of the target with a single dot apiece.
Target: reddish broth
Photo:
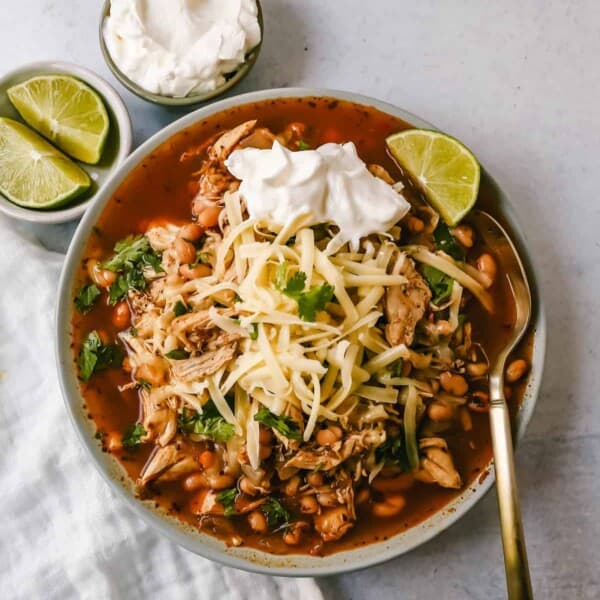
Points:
(158, 188)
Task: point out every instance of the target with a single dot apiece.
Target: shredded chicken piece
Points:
(344, 491)
(202, 366)
(168, 463)
(159, 418)
(329, 457)
(438, 462)
(223, 147)
(259, 138)
(405, 306)
(333, 523)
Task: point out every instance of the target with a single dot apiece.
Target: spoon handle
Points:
(513, 539)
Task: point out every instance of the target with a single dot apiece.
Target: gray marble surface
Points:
(518, 81)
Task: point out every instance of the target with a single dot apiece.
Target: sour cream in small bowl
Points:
(180, 52)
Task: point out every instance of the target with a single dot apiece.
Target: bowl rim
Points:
(238, 74)
(202, 544)
(124, 133)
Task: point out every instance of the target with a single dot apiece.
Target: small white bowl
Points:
(118, 144)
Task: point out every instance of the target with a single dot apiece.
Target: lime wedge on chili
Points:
(33, 173)
(444, 169)
(66, 111)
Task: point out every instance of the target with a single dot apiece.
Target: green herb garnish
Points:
(86, 298)
(132, 255)
(396, 368)
(177, 354)
(440, 284)
(227, 499)
(444, 240)
(133, 436)
(392, 452)
(254, 333)
(95, 356)
(309, 302)
(302, 145)
(284, 425)
(277, 515)
(180, 308)
(208, 423)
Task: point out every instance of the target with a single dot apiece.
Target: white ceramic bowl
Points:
(203, 544)
(118, 144)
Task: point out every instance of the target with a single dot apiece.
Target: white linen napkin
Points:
(63, 532)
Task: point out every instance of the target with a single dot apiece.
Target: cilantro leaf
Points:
(276, 513)
(86, 298)
(132, 255)
(208, 424)
(178, 354)
(180, 308)
(227, 499)
(254, 332)
(444, 240)
(95, 356)
(132, 437)
(302, 145)
(284, 425)
(392, 452)
(440, 284)
(309, 302)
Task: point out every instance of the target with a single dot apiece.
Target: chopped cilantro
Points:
(284, 425)
(96, 356)
(440, 284)
(277, 515)
(86, 298)
(133, 331)
(133, 436)
(227, 499)
(444, 240)
(254, 332)
(302, 145)
(132, 255)
(309, 302)
(208, 423)
(178, 354)
(396, 368)
(180, 308)
(392, 452)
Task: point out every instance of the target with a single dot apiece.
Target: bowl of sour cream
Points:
(180, 52)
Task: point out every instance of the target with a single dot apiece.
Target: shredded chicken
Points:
(405, 306)
(168, 463)
(159, 417)
(202, 366)
(333, 523)
(438, 462)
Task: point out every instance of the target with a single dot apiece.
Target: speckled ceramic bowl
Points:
(232, 78)
(203, 544)
(118, 143)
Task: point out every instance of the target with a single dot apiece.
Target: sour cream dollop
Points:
(331, 183)
(180, 47)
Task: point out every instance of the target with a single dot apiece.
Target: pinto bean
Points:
(293, 535)
(465, 418)
(194, 482)
(414, 224)
(437, 411)
(209, 217)
(219, 481)
(327, 499)
(486, 264)
(185, 251)
(329, 436)
(257, 521)
(477, 369)
(315, 479)
(390, 507)
(264, 452)
(465, 235)
(207, 459)
(265, 435)
(196, 272)
(309, 505)
(102, 277)
(292, 485)
(121, 317)
(454, 384)
(191, 232)
(515, 370)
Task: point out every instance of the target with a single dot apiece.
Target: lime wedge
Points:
(33, 173)
(66, 111)
(443, 168)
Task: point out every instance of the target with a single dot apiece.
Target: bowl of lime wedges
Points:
(63, 131)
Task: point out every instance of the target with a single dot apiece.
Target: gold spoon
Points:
(513, 539)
